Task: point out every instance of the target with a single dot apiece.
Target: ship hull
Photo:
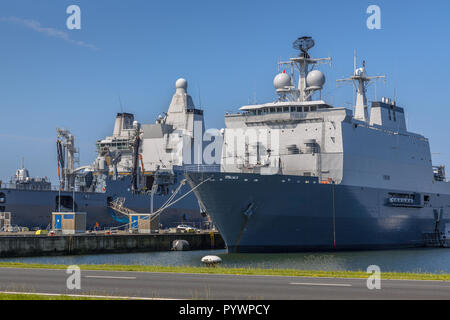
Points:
(256, 213)
(33, 208)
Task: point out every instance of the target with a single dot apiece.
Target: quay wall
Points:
(26, 246)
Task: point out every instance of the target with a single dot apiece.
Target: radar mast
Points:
(361, 81)
(302, 63)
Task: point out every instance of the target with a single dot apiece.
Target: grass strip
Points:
(24, 296)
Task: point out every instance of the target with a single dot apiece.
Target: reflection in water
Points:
(429, 260)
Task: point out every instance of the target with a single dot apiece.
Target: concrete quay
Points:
(91, 243)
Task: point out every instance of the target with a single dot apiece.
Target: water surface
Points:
(424, 260)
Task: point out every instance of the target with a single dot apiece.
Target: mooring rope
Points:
(168, 204)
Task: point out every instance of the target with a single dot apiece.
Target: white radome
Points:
(181, 84)
(281, 81)
(315, 79)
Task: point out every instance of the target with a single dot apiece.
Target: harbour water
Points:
(426, 260)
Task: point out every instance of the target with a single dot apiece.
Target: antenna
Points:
(301, 64)
(361, 81)
(304, 44)
(199, 96)
(376, 98)
(120, 103)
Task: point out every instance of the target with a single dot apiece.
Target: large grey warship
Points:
(299, 174)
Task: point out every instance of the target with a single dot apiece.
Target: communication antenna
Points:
(361, 81)
(302, 63)
(199, 97)
(120, 103)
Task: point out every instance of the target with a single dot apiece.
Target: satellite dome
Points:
(181, 84)
(315, 79)
(281, 81)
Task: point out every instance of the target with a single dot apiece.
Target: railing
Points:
(13, 186)
(201, 168)
(28, 187)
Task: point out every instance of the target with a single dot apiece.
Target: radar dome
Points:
(181, 84)
(315, 79)
(281, 81)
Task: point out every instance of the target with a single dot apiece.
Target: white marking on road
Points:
(220, 274)
(83, 296)
(321, 284)
(111, 277)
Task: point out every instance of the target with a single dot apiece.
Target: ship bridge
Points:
(285, 106)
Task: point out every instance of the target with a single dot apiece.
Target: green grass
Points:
(18, 296)
(239, 271)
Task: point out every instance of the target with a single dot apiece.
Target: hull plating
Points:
(34, 208)
(257, 213)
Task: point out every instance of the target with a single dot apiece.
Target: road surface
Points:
(214, 286)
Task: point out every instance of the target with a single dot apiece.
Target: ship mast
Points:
(361, 82)
(302, 64)
(67, 141)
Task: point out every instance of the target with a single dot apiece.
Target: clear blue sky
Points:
(51, 76)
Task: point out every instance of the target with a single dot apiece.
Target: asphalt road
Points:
(218, 287)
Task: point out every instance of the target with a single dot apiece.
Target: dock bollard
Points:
(211, 261)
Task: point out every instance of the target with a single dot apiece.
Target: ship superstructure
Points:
(300, 174)
(138, 166)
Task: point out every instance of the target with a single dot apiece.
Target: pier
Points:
(28, 245)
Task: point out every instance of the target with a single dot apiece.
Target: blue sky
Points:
(51, 76)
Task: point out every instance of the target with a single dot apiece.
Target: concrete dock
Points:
(32, 245)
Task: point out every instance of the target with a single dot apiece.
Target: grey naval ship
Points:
(327, 178)
(136, 169)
